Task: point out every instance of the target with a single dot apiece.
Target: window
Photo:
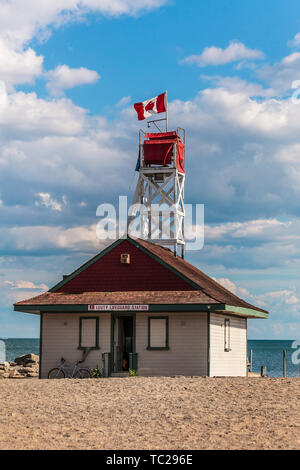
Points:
(227, 335)
(158, 333)
(89, 333)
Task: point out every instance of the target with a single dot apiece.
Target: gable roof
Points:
(208, 285)
(201, 290)
(105, 273)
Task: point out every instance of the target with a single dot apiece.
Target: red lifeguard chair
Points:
(164, 149)
(160, 187)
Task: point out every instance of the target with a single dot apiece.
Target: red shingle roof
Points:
(125, 298)
(208, 285)
(203, 289)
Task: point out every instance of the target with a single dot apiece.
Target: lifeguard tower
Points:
(159, 192)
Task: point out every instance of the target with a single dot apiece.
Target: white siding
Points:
(187, 342)
(233, 362)
(61, 339)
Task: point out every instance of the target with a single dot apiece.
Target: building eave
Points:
(246, 312)
(79, 308)
(84, 308)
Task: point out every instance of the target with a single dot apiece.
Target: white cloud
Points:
(21, 21)
(14, 291)
(123, 101)
(19, 66)
(282, 305)
(63, 78)
(237, 85)
(21, 284)
(25, 116)
(232, 287)
(236, 51)
(282, 74)
(50, 239)
(47, 201)
(295, 42)
(281, 302)
(260, 228)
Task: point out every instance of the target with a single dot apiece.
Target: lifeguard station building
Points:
(137, 304)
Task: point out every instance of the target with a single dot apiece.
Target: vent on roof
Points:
(125, 258)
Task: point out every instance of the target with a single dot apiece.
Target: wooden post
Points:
(284, 363)
(250, 359)
(263, 372)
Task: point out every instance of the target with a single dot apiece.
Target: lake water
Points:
(270, 354)
(265, 352)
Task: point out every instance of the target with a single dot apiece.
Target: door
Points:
(123, 342)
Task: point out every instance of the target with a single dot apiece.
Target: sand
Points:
(150, 413)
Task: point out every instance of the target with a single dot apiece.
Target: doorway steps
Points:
(120, 374)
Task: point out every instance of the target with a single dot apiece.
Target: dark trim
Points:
(217, 308)
(41, 344)
(86, 265)
(163, 348)
(134, 334)
(96, 333)
(112, 341)
(78, 308)
(208, 344)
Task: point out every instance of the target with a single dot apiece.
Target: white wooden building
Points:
(137, 306)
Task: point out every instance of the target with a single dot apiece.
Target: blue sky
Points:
(69, 73)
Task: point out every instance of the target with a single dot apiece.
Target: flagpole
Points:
(167, 117)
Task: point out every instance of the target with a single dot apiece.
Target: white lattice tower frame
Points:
(160, 191)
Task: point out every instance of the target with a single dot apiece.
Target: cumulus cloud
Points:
(47, 201)
(24, 116)
(232, 287)
(283, 306)
(21, 21)
(239, 156)
(236, 51)
(63, 78)
(270, 299)
(34, 16)
(28, 285)
(295, 42)
(48, 240)
(282, 75)
(19, 66)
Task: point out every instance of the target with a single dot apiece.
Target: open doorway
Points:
(123, 342)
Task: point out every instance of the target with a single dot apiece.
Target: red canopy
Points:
(159, 148)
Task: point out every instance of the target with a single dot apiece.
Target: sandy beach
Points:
(150, 413)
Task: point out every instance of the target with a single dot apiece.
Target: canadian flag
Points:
(145, 109)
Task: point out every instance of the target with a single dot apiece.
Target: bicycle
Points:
(62, 372)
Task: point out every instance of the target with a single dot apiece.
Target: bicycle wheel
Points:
(56, 374)
(82, 374)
